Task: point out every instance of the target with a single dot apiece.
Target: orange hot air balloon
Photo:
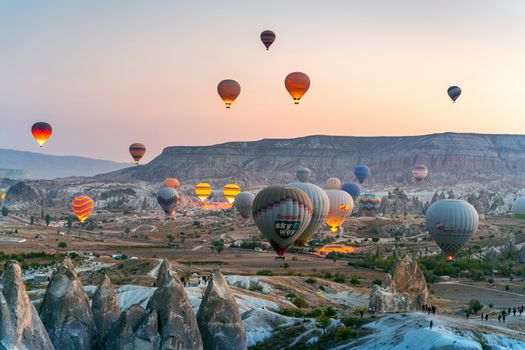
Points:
(82, 206)
(203, 191)
(229, 90)
(171, 182)
(137, 150)
(297, 84)
(230, 191)
(41, 132)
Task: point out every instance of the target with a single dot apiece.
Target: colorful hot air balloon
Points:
(333, 183)
(320, 203)
(282, 214)
(369, 203)
(419, 172)
(229, 90)
(167, 198)
(361, 172)
(41, 132)
(451, 222)
(297, 84)
(171, 182)
(518, 207)
(203, 191)
(230, 191)
(267, 37)
(2, 197)
(137, 150)
(244, 203)
(352, 189)
(454, 92)
(83, 207)
(303, 174)
(341, 206)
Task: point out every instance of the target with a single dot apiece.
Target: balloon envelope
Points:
(230, 191)
(352, 189)
(229, 90)
(41, 132)
(333, 183)
(267, 37)
(369, 203)
(282, 214)
(454, 92)
(419, 172)
(361, 172)
(320, 203)
(82, 207)
(303, 174)
(451, 222)
(171, 182)
(297, 84)
(167, 198)
(341, 206)
(203, 191)
(137, 150)
(244, 203)
(518, 207)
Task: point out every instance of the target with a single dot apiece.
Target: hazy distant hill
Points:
(451, 157)
(19, 164)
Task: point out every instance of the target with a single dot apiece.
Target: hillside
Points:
(23, 165)
(452, 158)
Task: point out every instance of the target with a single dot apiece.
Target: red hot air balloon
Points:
(228, 90)
(137, 150)
(267, 37)
(297, 84)
(41, 132)
(82, 206)
(419, 172)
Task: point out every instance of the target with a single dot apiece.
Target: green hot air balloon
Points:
(303, 174)
(167, 198)
(518, 207)
(320, 203)
(244, 203)
(282, 214)
(451, 223)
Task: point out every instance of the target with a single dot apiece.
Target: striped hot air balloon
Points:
(303, 174)
(244, 203)
(333, 183)
(297, 84)
(267, 37)
(341, 207)
(282, 214)
(451, 223)
(361, 172)
(419, 172)
(82, 207)
(203, 191)
(369, 203)
(518, 207)
(41, 132)
(171, 182)
(229, 90)
(137, 150)
(230, 191)
(320, 203)
(352, 189)
(167, 198)
(454, 92)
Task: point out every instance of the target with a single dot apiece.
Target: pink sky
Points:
(106, 74)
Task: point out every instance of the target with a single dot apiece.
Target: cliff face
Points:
(450, 157)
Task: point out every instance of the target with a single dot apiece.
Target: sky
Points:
(107, 73)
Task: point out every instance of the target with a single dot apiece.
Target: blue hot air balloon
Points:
(361, 172)
(454, 92)
(352, 189)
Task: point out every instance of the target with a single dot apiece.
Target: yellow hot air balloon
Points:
(2, 198)
(230, 191)
(82, 206)
(203, 191)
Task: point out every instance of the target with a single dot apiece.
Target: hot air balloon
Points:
(137, 150)
(303, 174)
(369, 203)
(361, 172)
(297, 84)
(320, 203)
(454, 92)
(244, 203)
(171, 182)
(352, 189)
(2, 197)
(518, 207)
(419, 172)
(341, 206)
(282, 214)
(451, 222)
(267, 37)
(229, 90)
(203, 191)
(333, 183)
(82, 206)
(230, 191)
(41, 132)
(167, 198)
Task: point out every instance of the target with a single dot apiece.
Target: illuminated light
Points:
(336, 248)
(230, 191)
(203, 191)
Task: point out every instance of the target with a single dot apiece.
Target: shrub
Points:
(355, 280)
(62, 245)
(264, 273)
(378, 282)
(339, 279)
(310, 280)
(475, 305)
(299, 302)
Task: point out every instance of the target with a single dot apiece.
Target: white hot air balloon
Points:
(303, 174)
(341, 207)
(333, 183)
(244, 203)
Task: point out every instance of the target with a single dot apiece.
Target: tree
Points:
(48, 219)
(475, 305)
(5, 211)
(333, 256)
(32, 220)
(170, 237)
(62, 245)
